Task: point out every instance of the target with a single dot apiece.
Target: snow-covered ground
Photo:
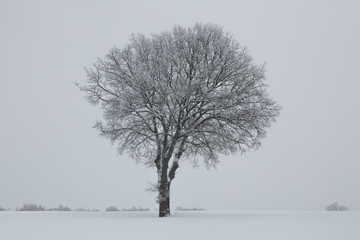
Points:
(207, 225)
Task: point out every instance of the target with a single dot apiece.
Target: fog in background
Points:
(51, 155)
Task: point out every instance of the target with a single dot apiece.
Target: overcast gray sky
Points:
(51, 155)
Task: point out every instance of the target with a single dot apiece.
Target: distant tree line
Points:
(35, 207)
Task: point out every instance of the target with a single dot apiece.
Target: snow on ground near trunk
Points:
(207, 225)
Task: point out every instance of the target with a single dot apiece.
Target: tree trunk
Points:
(164, 199)
(165, 177)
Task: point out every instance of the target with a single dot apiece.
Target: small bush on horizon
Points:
(336, 207)
(189, 209)
(3, 209)
(86, 210)
(134, 209)
(60, 208)
(112, 209)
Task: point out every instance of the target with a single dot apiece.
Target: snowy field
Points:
(182, 225)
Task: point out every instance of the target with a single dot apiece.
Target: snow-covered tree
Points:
(190, 93)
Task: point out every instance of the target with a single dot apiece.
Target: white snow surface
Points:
(209, 225)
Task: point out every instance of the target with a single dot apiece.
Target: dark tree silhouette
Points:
(186, 93)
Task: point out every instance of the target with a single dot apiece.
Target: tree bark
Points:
(164, 199)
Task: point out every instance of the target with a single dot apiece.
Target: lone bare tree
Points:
(186, 93)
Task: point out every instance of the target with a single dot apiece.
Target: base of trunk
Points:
(165, 213)
(164, 208)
